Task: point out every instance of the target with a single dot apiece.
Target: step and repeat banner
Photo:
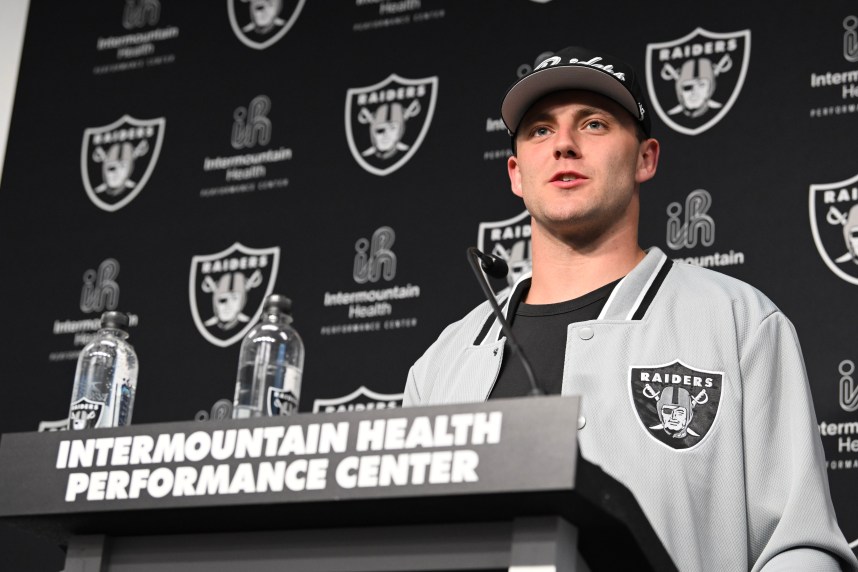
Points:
(181, 160)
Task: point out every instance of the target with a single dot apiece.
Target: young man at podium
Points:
(694, 391)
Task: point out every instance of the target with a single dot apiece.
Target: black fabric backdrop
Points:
(785, 127)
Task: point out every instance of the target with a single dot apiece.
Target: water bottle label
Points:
(281, 401)
(85, 413)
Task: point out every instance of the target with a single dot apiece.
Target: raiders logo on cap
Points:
(676, 404)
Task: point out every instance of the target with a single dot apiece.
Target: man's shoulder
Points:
(708, 286)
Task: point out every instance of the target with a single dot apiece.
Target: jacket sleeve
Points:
(791, 520)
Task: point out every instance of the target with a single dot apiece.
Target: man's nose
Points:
(565, 145)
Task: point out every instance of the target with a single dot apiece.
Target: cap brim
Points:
(526, 92)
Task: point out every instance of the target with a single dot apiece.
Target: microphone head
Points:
(494, 266)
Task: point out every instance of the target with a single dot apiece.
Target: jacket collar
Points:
(628, 301)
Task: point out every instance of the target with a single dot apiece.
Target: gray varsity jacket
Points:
(695, 396)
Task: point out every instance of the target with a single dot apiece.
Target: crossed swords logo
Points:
(700, 399)
(221, 293)
(670, 73)
(377, 126)
(835, 216)
(117, 165)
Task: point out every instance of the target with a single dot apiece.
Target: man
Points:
(742, 483)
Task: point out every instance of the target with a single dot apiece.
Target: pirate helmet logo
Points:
(509, 240)
(117, 160)
(834, 222)
(676, 404)
(261, 23)
(386, 122)
(695, 80)
(227, 290)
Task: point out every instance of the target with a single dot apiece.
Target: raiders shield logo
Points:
(695, 80)
(227, 290)
(117, 160)
(85, 414)
(834, 221)
(387, 122)
(361, 399)
(281, 402)
(261, 23)
(510, 240)
(677, 404)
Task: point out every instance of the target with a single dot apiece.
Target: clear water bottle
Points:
(270, 364)
(106, 378)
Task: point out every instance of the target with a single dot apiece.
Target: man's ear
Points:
(648, 152)
(514, 175)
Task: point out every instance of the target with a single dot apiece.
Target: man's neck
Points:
(563, 270)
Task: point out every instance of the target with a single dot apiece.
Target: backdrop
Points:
(181, 160)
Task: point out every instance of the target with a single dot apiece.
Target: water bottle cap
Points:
(117, 320)
(280, 303)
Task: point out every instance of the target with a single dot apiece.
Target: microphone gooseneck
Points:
(497, 268)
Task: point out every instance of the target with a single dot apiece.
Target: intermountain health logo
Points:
(256, 166)
(141, 13)
(676, 403)
(98, 293)
(374, 258)
(251, 126)
(143, 42)
(685, 229)
(100, 289)
(835, 86)
(850, 38)
(227, 290)
(117, 160)
(834, 223)
(386, 122)
(848, 388)
(377, 305)
(690, 226)
(260, 24)
(695, 80)
(510, 240)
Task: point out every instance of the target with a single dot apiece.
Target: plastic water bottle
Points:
(106, 378)
(270, 364)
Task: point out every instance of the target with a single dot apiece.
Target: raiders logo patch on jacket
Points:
(676, 403)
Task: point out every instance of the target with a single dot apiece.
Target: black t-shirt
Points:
(541, 332)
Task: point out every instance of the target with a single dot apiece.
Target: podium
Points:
(488, 486)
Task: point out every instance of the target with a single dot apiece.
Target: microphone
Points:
(494, 266)
(497, 268)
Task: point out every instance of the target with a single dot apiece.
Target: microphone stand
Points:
(497, 268)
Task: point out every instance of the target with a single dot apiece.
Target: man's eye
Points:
(540, 131)
(595, 124)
